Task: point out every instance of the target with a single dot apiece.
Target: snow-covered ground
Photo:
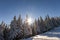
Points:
(53, 34)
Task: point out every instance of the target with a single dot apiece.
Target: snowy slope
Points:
(53, 34)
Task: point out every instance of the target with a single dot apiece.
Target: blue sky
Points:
(34, 8)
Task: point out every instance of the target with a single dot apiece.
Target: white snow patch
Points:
(51, 35)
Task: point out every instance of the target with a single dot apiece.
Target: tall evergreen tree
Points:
(38, 26)
(34, 29)
(42, 25)
(2, 27)
(13, 25)
(27, 28)
(19, 28)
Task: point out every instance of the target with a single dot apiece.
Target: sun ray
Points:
(29, 20)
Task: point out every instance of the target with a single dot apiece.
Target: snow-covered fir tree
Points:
(38, 26)
(42, 25)
(2, 27)
(16, 28)
(34, 29)
(27, 28)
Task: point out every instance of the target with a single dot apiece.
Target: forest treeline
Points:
(18, 29)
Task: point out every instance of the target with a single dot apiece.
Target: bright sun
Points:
(29, 20)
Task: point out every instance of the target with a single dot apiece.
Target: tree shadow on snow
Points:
(53, 33)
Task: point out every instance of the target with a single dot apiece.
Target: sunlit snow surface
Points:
(53, 34)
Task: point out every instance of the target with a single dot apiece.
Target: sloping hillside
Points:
(53, 34)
